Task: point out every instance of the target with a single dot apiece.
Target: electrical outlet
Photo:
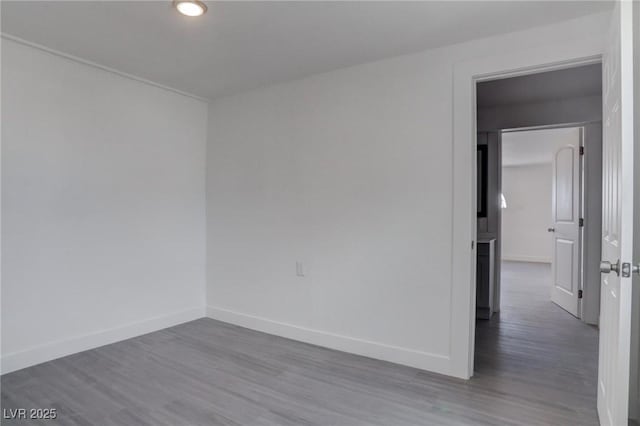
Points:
(299, 269)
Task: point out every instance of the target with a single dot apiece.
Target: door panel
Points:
(564, 175)
(565, 210)
(617, 219)
(564, 255)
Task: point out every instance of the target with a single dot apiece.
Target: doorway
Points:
(537, 301)
(617, 312)
(552, 177)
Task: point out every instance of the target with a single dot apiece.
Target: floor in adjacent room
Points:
(535, 365)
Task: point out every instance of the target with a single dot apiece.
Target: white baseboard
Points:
(516, 258)
(413, 358)
(49, 351)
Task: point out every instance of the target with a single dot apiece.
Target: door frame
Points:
(466, 74)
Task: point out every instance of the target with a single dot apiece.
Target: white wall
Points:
(348, 172)
(527, 189)
(103, 207)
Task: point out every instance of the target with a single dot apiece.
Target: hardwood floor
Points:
(535, 365)
(537, 350)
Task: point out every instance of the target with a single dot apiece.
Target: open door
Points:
(617, 220)
(565, 211)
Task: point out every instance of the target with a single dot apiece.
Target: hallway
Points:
(536, 349)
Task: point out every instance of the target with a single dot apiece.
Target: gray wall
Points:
(559, 111)
(592, 212)
(490, 227)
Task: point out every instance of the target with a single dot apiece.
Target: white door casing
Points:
(617, 219)
(556, 54)
(565, 212)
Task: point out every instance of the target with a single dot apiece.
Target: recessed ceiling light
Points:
(190, 7)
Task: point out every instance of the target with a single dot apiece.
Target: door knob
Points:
(551, 229)
(606, 267)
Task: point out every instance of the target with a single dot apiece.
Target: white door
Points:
(565, 211)
(617, 220)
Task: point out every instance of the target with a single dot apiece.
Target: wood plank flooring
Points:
(535, 365)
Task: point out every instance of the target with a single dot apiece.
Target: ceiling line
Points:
(99, 66)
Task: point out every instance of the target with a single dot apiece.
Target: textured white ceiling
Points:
(242, 45)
